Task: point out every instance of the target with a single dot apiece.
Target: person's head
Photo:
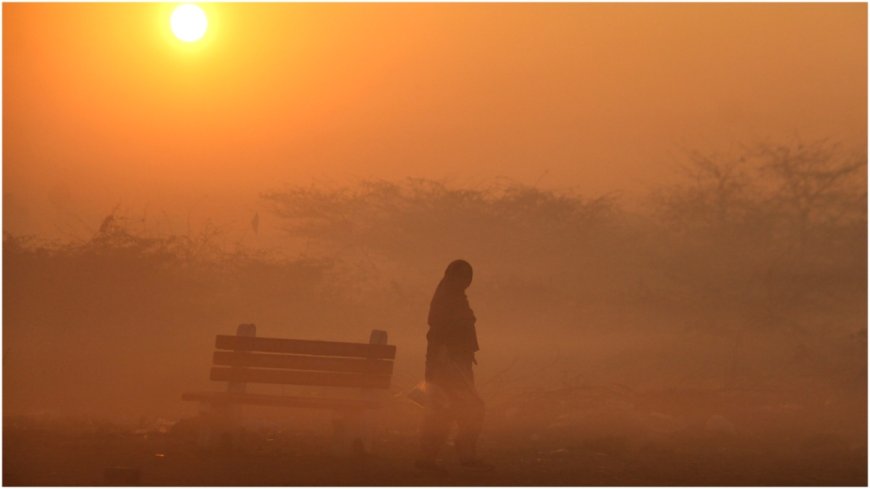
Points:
(459, 274)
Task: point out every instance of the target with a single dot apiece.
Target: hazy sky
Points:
(102, 106)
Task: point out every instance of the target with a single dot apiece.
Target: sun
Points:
(188, 22)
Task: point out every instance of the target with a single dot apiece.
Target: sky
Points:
(103, 108)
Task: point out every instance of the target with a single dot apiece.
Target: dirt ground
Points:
(587, 435)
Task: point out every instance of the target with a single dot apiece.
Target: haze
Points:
(102, 109)
(665, 207)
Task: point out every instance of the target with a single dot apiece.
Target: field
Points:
(585, 435)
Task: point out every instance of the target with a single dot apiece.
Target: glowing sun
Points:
(188, 22)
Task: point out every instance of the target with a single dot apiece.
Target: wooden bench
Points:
(246, 359)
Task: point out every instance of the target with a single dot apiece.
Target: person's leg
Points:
(433, 433)
(437, 420)
(470, 414)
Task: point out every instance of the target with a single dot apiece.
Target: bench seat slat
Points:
(274, 376)
(276, 400)
(303, 362)
(305, 347)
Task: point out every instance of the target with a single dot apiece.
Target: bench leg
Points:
(365, 432)
(351, 433)
(223, 427)
(220, 428)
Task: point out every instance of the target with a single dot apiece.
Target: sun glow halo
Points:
(188, 22)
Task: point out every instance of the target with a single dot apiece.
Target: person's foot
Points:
(430, 466)
(476, 463)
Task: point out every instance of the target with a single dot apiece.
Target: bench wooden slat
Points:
(219, 398)
(272, 376)
(302, 362)
(305, 347)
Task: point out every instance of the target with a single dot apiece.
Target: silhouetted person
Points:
(452, 342)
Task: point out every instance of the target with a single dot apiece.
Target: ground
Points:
(574, 436)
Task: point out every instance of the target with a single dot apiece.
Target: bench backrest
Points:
(248, 359)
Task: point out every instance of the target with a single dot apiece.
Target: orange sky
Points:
(101, 106)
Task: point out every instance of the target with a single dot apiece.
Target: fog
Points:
(751, 272)
(670, 248)
(103, 109)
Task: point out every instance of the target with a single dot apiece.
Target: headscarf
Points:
(451, 320)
